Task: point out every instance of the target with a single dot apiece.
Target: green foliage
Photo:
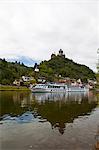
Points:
(49, 69)
(27, 83)
(33, 81)
(11, 71)
(97, 77)
(66, 68)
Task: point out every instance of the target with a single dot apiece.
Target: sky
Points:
(38, 28)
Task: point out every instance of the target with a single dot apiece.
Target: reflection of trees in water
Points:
(60, 126)
(11, 101)
(58, 109)
(60, 114)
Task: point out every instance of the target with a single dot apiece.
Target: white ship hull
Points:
(45, 88)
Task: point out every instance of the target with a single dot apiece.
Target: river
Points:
(49, 121)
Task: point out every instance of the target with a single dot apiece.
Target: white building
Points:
(25, 78)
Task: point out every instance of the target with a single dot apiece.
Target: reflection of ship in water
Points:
(59, 96)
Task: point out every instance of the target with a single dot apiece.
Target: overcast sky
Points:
(39, 28)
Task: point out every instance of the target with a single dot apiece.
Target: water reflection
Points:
(97, 138)
(58, 109)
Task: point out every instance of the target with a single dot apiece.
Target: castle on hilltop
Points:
(60, 53)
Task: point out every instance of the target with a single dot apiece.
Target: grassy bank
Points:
(13, 88)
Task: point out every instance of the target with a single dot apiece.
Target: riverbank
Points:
(13, 88)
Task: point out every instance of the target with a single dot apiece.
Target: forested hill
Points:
(50, 69)
(11, 71)
(65, 67)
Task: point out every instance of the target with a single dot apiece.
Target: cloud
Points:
(38, 28)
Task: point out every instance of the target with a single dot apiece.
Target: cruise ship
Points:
(49, 87)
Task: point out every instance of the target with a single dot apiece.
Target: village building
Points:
(36, 67)
(64, 80)
(26, 78)
(41, 80)
(18, 82)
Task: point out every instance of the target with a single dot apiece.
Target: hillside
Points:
(11, 71)
(59, 65)
(52, 69)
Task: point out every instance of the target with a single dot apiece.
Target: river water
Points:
(49, 121)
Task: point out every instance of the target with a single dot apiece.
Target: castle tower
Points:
(61, 53)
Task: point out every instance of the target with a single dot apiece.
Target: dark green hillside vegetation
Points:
(51, 70)
(11, 71)
(66, 68)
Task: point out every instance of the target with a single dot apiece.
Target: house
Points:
(36, 70)
(41, 80)
(64, 80)
(26, 78)
(92, 82)
(17, 82)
